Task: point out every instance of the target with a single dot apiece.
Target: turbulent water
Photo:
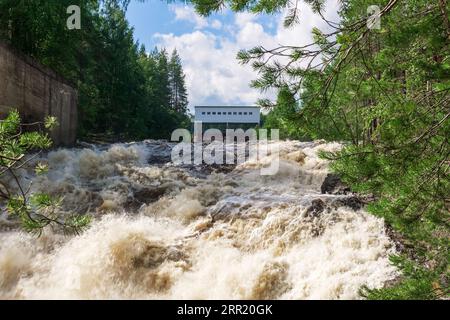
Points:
(210, 232)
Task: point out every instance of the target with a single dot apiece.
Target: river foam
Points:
(162, 231)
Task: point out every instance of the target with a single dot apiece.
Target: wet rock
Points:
(204, 170)
(316, 208)
(225, 210)
(223, 168)
(352, 202)
(158, 159)
(195, 171)
(160, 153)
(231, 183)
(333, 185)
(217, 168)
(9, 223)
(131, 204)
(85, 145)
(150, 194)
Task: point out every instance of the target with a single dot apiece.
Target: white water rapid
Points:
(163, 231)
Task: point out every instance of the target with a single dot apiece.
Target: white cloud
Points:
(213, 75)
(216, 24)
(212, 72)
(187, 13)
(242, 18)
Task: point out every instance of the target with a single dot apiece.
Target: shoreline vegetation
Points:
(126, 91)
(386, 91)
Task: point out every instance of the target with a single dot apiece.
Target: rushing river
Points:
(208, 232)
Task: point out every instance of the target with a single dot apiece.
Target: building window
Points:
(234, 113)
(240, 113)
(214, 113)
(219, 113)
(229, 113)
(250, 113)
(203, 112)
(245, 113)
(209, 112)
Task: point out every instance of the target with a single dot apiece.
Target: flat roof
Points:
(255, 107)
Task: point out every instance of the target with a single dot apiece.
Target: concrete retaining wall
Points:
(36, 91)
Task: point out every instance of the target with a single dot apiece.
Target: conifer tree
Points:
(123, 91)
(384, 93)
(178, 100)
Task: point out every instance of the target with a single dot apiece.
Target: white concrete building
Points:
(227, 114)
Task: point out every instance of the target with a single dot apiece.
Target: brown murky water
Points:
(165, 231)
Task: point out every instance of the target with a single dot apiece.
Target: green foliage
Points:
(50, 122)
(391, 102)
(41, 168)
(206, 7)
(384, 93)
(123, 91)
(178, 92)
(417, 283)
(283, 116)
(36, 210)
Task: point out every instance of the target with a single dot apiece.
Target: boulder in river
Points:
(352, 202)
(150, 194)
(333, 185)
(316, 208)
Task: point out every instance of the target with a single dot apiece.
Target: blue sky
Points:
(208, 46)
(156, 16)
